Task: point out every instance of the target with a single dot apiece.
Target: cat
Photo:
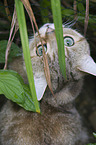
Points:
(59, 123)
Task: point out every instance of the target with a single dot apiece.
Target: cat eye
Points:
(40, 50)
(68, 41)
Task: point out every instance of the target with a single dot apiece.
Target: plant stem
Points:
(26, 52)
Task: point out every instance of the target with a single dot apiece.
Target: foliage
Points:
(56, 9)
(26, 51)
(15, 51)
(13, 87)
(43, 13)
(93, 143)
(25, 46)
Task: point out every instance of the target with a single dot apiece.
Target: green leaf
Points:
(44, 11)
(94, 134)
(13, 87)
(26, 51)
(15, 51)
(80, 7)
(67, 12)
(95, 137)
(28, 105)
(56, 10)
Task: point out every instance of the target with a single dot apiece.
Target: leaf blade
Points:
(15, 51)
(26, 52)
(56, 10)
(13, 87)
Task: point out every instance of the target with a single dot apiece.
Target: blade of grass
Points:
(32, 19)
(26, 52)
(56, 10)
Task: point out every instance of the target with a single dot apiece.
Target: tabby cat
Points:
(59, 123)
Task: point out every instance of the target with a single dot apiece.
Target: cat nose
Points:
(87, 65)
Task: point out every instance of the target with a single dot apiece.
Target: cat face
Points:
(77, 53)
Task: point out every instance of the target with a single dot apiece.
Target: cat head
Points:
(77, 57)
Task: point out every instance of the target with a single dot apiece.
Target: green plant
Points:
(25, 96)
(56, 9)
(93, 143)
(26, 52)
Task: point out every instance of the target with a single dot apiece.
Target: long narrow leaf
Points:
(26, 52)
(46, 66)
(56, 10)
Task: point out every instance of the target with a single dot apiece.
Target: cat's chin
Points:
(65, 94)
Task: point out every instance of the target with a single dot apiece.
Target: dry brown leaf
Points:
(7, 10)
(86, 17)
(13, 24)
(75, 10)
(47, 71)
(30, 13)
(46, 66)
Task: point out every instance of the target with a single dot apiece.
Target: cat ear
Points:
(87, 65)
(48, 27)
(40, 86)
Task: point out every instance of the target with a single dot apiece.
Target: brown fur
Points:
(55, 126)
